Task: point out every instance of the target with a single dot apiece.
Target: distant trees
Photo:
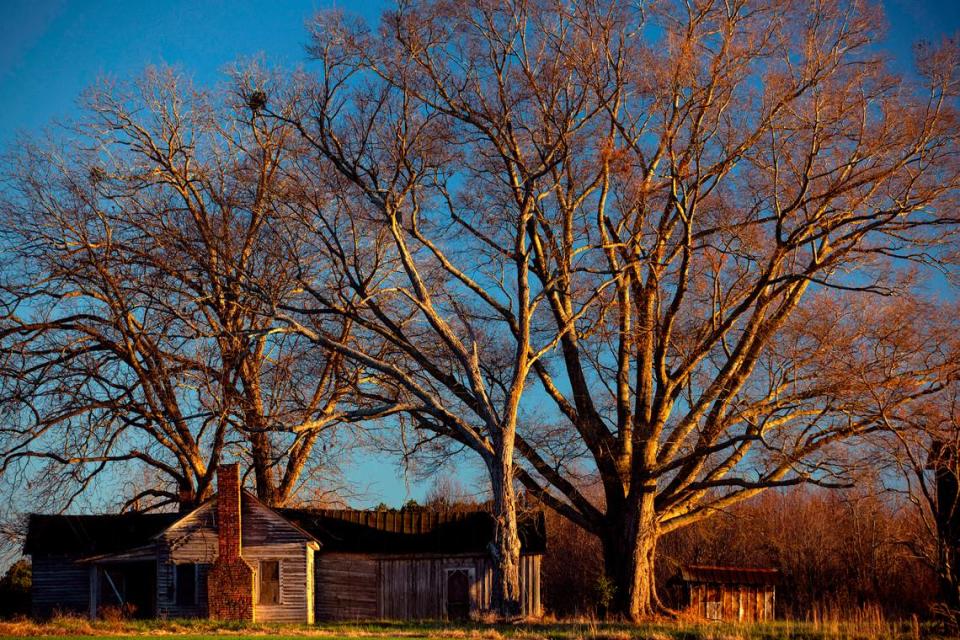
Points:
(921, 449)
(840, 550)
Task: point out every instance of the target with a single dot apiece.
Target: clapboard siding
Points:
(293, 581)
(265, 536)
(360, 586)
(60, 585)
(167, 606)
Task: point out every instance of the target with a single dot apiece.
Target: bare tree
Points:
(666, 214)
(142, 247)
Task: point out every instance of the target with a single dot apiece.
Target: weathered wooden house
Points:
(727, 593)
(235, 558)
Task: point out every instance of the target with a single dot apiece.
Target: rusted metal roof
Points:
(710, 574)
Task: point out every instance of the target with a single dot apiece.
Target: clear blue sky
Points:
(50, 50)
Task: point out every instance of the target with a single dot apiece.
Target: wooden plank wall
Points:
(345, 586)
(359, 586)
(742, 603)
(60, 586)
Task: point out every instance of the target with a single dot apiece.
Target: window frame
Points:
(260, 574)
(194, 598)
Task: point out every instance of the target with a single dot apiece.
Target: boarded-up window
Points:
(269, 582)
(186, 586)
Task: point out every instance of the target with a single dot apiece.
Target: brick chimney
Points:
(228, 510)
(230, 582)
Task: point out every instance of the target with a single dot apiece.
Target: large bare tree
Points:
(651, 225)
(142, 246)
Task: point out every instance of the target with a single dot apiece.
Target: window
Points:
(186, 584)
(269, 582)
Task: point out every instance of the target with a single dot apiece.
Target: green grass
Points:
(64, 628)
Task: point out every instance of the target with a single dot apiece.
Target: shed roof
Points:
(404, 531)
(709, 574)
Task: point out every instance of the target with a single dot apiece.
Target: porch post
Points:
(94, 590)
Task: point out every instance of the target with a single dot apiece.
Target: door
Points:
(458, 594)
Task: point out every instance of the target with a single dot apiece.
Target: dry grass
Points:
(821, 626)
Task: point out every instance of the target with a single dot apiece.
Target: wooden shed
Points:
(743, 594)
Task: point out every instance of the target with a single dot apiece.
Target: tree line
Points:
(644, 260)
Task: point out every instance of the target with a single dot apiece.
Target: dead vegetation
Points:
(822, 628)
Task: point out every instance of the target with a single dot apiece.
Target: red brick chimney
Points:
(228, 510)
(230, 582)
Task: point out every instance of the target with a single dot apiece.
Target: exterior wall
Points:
(359, 586)
(264, 536)
(167, 606)
(59, 586)
(732, 602)
(295, 583)
(346, 586)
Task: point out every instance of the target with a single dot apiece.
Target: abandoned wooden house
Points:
(727, 593)
(235, 558)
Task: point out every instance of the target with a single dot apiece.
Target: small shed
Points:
(744, 594)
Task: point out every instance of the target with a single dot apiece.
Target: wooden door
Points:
(458, 594)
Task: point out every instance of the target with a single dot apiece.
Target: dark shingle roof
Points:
(95, 534)
(404, 531)
(707, 574)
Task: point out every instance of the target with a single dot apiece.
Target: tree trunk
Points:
(629, 551)
(505, 549)
(261, 453)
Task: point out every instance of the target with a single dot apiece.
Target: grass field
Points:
(63, 628)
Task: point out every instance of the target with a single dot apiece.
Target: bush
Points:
(15, 590)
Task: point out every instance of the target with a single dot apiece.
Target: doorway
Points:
(458, 594)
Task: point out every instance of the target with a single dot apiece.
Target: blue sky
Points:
(50, 50)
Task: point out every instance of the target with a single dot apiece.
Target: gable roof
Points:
(404, 531)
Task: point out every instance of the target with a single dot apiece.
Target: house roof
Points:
(404, 531)
(708, 574)
(93, 534)
(412, 530)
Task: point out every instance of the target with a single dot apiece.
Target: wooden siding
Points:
(167, 606)
(60, 585)
(732, 602)
(359, 586)
(294, 581)
(265, 536)
(345, 587)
